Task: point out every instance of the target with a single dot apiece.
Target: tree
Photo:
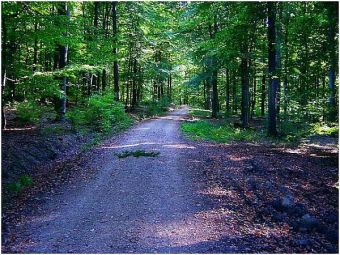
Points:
(273, 79)
(332, 15)
(115, 51)
(63, 10)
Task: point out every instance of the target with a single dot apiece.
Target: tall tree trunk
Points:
(227, 91)
(234, 91)
(170, 86)
(215, 104)
(35, 48)
(253, 102)
(103, 80)
(134, 85)
(263, 93)
(285, 80)
(273, 79)
(3, 70)
(245, 88)
(115, 51)
(208, 93)
(332, 22)
(63, 54)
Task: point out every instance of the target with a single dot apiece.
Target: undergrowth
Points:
(223, 131)
(154, 108)
(101, 114)
(218, 132)
(17, 186)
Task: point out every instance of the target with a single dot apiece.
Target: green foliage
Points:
(23, 182)
(200, 113)
(56, 129)
(137, 154)
(40, 85)
(154, 108)
(326, 129)
(95, 141)
(29, 112)
(101, 114)
(218, 132)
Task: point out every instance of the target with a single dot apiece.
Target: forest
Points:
(226, 84)
(241, 59)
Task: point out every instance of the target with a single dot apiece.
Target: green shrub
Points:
(23, 182)
(101, 113)
(94, 141)
(219, 132)
(29, 112)
(154, 108)
(325, 129)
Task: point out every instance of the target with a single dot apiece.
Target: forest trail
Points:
(133, 204)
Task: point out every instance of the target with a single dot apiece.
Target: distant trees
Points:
(332, 15)
(247, 59)
(274, 54)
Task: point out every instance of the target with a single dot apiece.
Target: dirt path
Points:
(145, 204)
(195, 197)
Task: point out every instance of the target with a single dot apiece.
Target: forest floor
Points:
(174, 195)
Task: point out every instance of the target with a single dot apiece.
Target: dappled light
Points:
(179, 146)
(180, 127)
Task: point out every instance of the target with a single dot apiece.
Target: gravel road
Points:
(132, 205)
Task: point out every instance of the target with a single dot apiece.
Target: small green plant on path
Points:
(23, 182)
(137, 154)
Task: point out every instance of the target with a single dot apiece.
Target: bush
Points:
(326, 129)
(29, 112)
(101, 113)
(222, 133)
(23, 182)
(154, 108)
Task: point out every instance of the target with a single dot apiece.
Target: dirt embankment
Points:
(29, 150)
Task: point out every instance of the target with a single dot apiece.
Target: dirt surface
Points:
(194, 197)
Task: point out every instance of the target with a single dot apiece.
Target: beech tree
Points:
(273, 78)
(275, 62)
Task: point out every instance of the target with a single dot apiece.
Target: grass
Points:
(137, 154)
(219, 132)
(17, 186)
(57, 129)
(93, 142)
(326, 129)
(222, 131)
(202, 114)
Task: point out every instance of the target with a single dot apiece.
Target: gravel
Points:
(144, 204)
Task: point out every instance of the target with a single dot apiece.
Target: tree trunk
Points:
(35, 48)
(63, 54)
(208, 93)
(215, 104)
(134, 85)
(115, 51)
(263, 93)
(332, 21)
(227, 91)
(245, 89)
(103, 80)
(273, 79)
(253, 102)
(234, 91)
